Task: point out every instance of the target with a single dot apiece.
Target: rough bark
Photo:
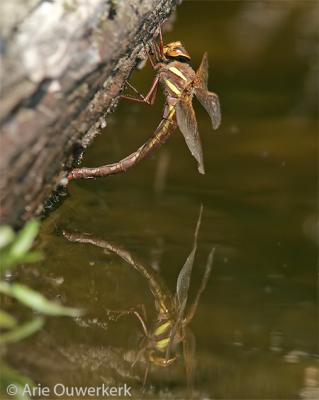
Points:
(64, 63)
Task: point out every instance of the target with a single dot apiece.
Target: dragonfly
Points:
(180, 82)
(169, 328)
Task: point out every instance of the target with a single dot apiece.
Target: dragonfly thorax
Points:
(161, 345)
(176, 77)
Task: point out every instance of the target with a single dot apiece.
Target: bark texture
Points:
(64, 63)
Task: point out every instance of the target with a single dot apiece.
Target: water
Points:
(256, 326)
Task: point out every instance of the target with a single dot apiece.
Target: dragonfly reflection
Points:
(170, 328)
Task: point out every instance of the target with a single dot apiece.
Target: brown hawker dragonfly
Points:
(170, 326)
(180, 82)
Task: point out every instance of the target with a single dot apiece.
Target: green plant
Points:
(15, 249)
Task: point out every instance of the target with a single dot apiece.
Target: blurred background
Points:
(256, 326)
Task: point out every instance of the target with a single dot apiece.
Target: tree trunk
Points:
(64, 63)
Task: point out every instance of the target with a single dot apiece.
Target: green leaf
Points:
(31, 257)
(7, 260)
(36, 301)
(22, 331)
(24, 239)
(6, 320)
(11, 376)
(20, 244)
(6, 235)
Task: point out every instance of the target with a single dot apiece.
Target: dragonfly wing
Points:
(202, 73)
(210, 102)
(177, 325)
(182, 285)
(186, 121)
(202, 287)
(183, 279)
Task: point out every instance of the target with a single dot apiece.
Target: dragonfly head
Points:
(176, 51)
(158, 358)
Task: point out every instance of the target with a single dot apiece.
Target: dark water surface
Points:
(256, 326)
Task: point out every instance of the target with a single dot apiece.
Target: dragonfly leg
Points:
(138, 356)
(149, 98)
(161, 42)
(142, 318)
(150, 59)
(132, 311)
(145, 375)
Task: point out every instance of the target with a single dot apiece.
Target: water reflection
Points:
(170, 327)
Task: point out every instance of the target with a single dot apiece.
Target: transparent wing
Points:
(202, 73)
(182, 286)
(186, 121)
(175, 328)
(183, 279)
(208, 100)
(202, 287)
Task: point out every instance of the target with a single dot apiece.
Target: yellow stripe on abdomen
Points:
(172, 87)
(163, 328)
(162, 344)
(177, 72)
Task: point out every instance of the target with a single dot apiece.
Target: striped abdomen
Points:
(163, 131)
